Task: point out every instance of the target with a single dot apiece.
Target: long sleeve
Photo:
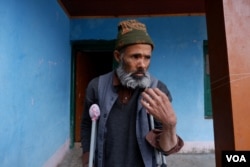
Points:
(153, 138)
(90, 98)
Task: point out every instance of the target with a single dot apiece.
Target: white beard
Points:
(128, 80)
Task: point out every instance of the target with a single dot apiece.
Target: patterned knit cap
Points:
(132, 32)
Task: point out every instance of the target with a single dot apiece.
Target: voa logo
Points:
(236, 158)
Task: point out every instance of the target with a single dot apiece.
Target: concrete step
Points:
(73, 159)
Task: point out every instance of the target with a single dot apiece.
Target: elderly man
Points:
(127, 96)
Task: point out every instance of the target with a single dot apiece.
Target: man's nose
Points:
(142, 63)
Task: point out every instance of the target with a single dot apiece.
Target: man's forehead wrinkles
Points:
(139, 53)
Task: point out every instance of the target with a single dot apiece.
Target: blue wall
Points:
(34, 81)
(177, 60)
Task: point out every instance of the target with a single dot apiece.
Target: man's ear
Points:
(117, 56)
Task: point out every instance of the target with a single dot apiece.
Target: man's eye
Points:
(135, 56)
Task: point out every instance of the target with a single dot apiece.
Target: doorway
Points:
(90, 61)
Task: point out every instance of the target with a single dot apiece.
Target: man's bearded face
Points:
(134, 62)
(139, 78)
